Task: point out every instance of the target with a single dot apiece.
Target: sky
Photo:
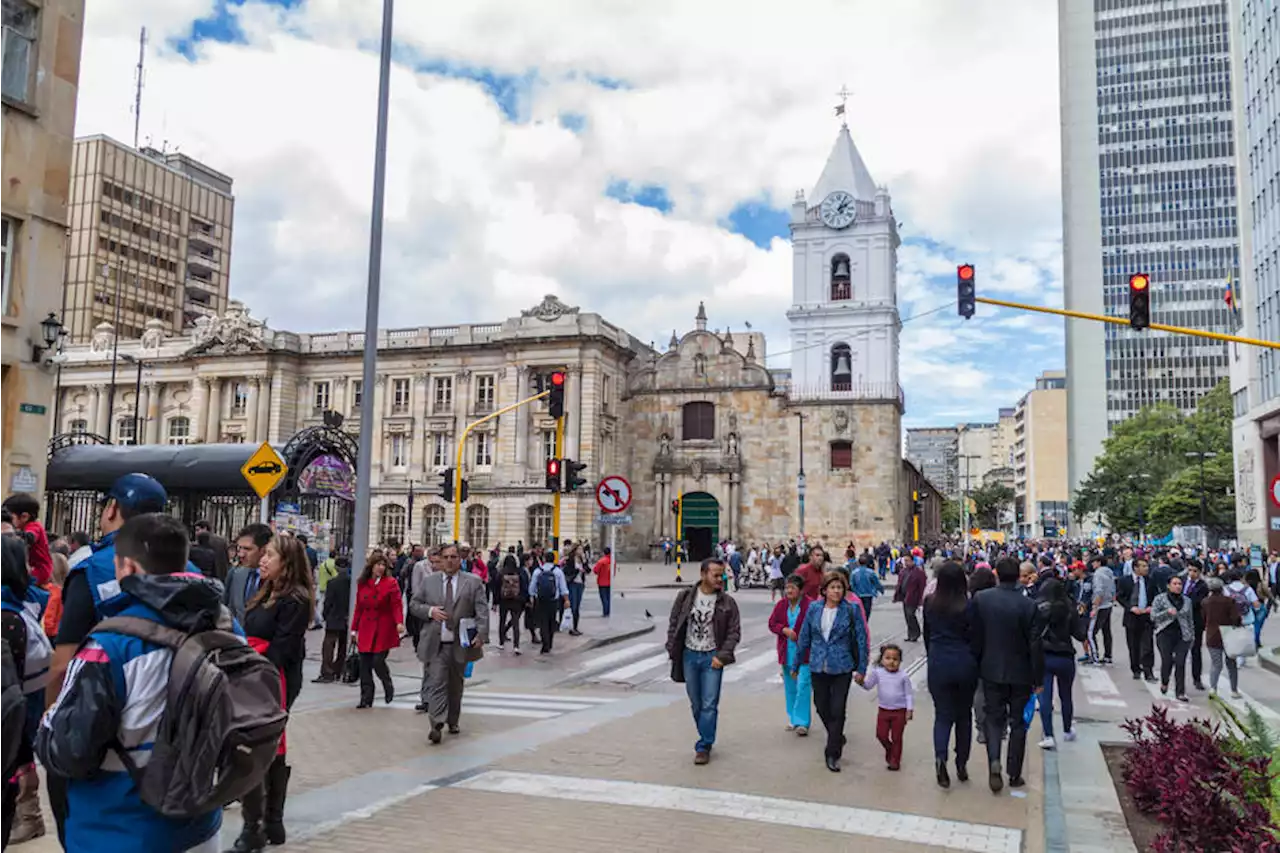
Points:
(631, 158)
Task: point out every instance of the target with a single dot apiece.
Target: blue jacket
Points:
(865, 581)
(100, 571)
(112, 698)
(846, 651)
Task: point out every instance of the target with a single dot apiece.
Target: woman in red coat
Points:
(377, 626)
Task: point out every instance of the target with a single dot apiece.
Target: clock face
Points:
(839, 209)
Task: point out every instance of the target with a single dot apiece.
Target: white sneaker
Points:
(502, 647)
(517, 650)
(1236, 694)
(1069, 737)
(1047, 743)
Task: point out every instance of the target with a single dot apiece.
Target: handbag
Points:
(1238, 642)
(351, 666)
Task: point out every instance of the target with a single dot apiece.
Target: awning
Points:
(206, 468)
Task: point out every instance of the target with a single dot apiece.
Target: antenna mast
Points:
(137, 97)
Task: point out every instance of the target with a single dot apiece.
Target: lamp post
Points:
(964, 505)
(1204, 510)
(137, 398)
(800, 481)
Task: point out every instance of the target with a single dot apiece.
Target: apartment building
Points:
(1041, 498)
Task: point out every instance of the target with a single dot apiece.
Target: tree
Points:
(989, 500)
(1178, 501)
(951, 518)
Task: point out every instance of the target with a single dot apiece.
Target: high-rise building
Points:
(1148, 185)
(975, 453)
(150, 239)
(1255, 372)
(935, 451)
(41, 82)
(1040, 457)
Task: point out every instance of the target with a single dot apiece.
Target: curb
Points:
(1270, 659)
(617, 638)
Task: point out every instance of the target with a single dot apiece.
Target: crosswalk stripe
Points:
(630, 670)
(607, 660)
(742, 670)
(532, 706)
(546, 697)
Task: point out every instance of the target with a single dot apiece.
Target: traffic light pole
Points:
(679, 535)
(555, 501)
(1120, 321)
(462, 447)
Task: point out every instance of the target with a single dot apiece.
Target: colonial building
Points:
(752, 455)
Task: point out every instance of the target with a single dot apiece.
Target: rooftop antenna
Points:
(137, 95)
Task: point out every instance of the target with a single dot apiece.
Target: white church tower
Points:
(844, 314)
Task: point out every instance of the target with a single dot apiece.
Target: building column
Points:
(213, 433)
(155, 405)
(379, 403)
(199, 394)
(97, 410)
(522, 420)
(251, 410)
(140, 408)
(659, 516)
(417, 424)
(264, 408)
(339, 401)
(572, 421)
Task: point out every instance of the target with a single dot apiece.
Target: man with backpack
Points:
(147, 770)
(550, 596)
(512, 598)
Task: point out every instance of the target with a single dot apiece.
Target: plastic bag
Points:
(471, 665)
(1029, 712)
(1238, 642)
(566, 620)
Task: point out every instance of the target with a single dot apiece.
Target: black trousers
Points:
(1102, 625)
(1173, 658)
(1197, 661)
(509, 611)
(371, 662)
(1137, 635)
(831, 698)
(1004, 706)
(913, 622)
(952, 708)
(56, 789)
(866, 605)
(531, 620)
(333, 653)
(547, 616)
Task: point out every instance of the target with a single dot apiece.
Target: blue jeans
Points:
(1060, 668)
(799, 696)
(1259, 619)
(702, 683)
(575, 601)
(606, 598)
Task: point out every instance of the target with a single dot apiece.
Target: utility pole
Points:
(1141, 480)
(964, 506)
(1204, 509)
(800, 480)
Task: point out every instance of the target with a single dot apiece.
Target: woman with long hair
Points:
(983, 577)
(1174, 628)
(834, 639)
(953, 670)
(1063, 626)
(377, 626)
(276, 621)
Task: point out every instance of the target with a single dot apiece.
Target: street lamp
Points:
(1204, 513)
(51, 331)
(800, 481)
(137, 398)
(115, 343)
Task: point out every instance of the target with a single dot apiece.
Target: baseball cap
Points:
(138, 492)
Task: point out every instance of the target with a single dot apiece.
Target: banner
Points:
(328, 476)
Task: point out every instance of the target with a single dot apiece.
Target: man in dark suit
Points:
(243, 581)
(442, 601)
(1196, 589)
(1006, 642)
(221, 553)
(1136, 592)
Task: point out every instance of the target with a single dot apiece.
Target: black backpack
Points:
(547, 585)
(222, 722)
(13, 708)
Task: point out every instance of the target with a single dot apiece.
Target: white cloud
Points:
(954, 108)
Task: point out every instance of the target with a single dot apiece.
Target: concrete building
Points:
(1148, 185)
(934, 451)
(150, 239)
(41, 82)
(1041, 502)
(976, 453)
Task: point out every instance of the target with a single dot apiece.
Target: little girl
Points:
(896, 699)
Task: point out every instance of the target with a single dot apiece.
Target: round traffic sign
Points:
(613, 494)
(1275, 490)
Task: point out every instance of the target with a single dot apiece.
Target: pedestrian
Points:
(336, 605)
(896, 700)
(551, 596)
(812, 571)
(53, 612)
(1062, 624)
(1197, 590)
(277, 618)
(910, 593)
(776, 580)
(702, 635)
(376, 626)
(604, 580)
(106, 707)
(1174, 628)
(785, 622)
(953, 670)
(575, 574)
(1006, 644)
(218, 545)
(1104, 599)
(245, 578)
(865, 583)
(513, 600)
(834, 638)
(24, 510)
(1137, 593)
(1219, 611)
(451, 605)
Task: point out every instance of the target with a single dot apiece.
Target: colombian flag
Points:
(1231, 297)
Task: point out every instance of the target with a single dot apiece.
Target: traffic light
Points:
(553, 475)
(675, 507)
(448, 484)
(571, 479)
(966, 290)
(555, 403)
(1140, 300)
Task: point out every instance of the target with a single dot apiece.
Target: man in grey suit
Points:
(242, 581)
(441, 601)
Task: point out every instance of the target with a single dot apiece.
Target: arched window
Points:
(434, 525)
(478, 527)
(841, 368)
(78, 427)
(841, 455)
(539, 525)
(391, 521)
(179, 431)
(841, 286)
(699, 421)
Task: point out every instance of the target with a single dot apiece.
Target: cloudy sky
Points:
(631, 158)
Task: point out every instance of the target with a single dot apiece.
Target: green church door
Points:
(701, 524)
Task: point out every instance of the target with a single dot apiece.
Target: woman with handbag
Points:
(1220, 611)
(377, 626)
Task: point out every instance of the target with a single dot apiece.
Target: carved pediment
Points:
(234, 333)
(696, 465)
(550, 308)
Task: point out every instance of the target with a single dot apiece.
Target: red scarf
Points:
(260, 646)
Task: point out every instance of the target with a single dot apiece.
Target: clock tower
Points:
(844, 313)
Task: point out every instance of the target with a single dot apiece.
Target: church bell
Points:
(843, 368)
(842, 267)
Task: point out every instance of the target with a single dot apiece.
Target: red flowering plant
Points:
(1208, 794)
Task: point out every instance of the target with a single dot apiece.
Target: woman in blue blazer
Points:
(834, 638)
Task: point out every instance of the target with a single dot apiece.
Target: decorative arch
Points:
(841, 278)
(841, 367)
(391, 524)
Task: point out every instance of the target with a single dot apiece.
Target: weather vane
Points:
(843, 95)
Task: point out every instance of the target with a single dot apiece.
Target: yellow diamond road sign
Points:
(264, 470)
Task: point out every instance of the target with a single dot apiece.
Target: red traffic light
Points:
(557, 378)
(1139, 281)
(965, 272)
(553, 467)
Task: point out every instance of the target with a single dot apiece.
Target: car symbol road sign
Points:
(613, 494)
(264, 470)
